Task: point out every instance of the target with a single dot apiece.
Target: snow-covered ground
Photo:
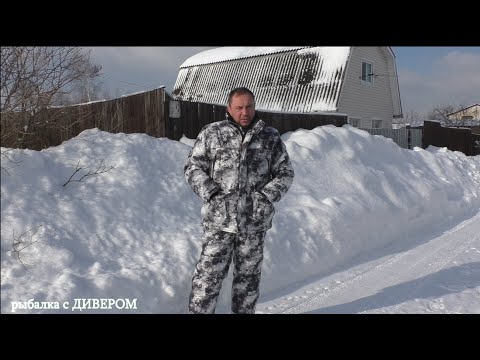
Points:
(366, 227)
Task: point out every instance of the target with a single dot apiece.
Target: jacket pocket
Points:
(263, 211)
(214, 212)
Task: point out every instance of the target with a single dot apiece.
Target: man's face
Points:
(242, 109)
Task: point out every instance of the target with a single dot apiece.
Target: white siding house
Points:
(471, 112)
(360, 82)
(370, 94)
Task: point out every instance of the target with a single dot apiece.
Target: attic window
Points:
(367, 72)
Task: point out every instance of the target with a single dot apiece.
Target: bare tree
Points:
(449, 115)
(105, 93)
(415, 119)
(411, 118)
(34, 79)
(88, 87)
(8, 160)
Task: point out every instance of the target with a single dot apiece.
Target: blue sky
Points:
(428, 76)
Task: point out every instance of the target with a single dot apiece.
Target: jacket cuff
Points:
(212, 190)
(267, 196)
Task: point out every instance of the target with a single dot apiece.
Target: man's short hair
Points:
(239, 91)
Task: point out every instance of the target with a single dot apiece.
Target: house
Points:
(360, 82)
(471, 112)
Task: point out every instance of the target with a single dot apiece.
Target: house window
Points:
(376, 124)
(355, 122)
(467, 117)
(367, 72)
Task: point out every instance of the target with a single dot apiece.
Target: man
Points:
(239, 167)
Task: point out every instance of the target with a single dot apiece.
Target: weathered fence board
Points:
(455, 139)
(406, 138)
(149, 113)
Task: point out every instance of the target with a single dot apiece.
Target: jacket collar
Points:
(256, 124)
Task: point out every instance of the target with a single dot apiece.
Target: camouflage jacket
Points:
(238, 176)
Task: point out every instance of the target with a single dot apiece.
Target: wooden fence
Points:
(191, 117)
(140, 113)
(455, 139)
(406, 137)
(432, 133)
(155, 113)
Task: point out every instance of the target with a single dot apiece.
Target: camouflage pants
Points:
(212, 268)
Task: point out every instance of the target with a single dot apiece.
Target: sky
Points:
(428, 76)
(106, 223)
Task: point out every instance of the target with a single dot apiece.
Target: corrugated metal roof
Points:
(234, 52)
(284, 79)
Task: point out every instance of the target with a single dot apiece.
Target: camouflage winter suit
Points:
(239, 176)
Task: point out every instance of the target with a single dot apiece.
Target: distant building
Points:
(471, 112)
(360, 82)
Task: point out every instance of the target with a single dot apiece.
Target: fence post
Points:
(174, 113)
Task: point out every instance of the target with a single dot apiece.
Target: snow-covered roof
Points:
(233, 52)
(287, 79)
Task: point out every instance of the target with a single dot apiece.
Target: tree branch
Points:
(102, 168)
(20, 243)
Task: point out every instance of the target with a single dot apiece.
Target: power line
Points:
(126, 82)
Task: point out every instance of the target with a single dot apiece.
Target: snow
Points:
(233, 52)
(366, 227)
